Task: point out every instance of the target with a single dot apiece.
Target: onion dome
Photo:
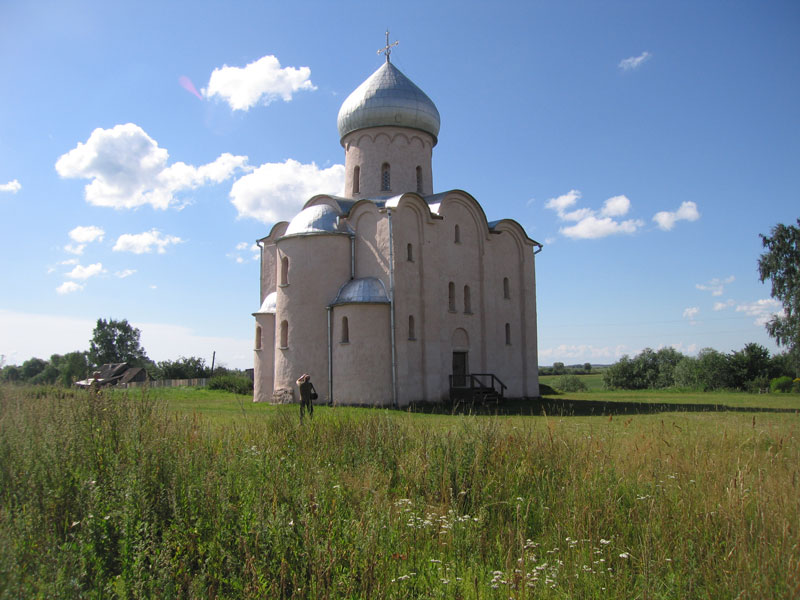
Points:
(269, 306)
(365, 290)
(320, 218)
(388, 98)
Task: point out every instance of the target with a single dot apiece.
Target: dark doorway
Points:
(459, 369)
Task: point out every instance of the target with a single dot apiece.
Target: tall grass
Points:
(117, 496)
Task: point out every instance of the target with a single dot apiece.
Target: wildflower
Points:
(605, 542)
(624, 555)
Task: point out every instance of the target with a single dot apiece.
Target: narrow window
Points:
(508, 334)
(410, 253)
(356, 179)
(345, 331)
(258, 337)
(467, 300)
(506, 290)
(458, 235)
(285, 270)
(419, 180)
(451, 296)
(284, 334)
(412, 335)
(386, 178)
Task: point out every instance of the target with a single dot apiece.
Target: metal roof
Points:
(320, 218)
(388, 98)
(365, 290)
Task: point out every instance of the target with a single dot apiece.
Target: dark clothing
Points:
(306, 387)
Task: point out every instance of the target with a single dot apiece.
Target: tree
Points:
(184, 368)
(558, 368)
(72, 367)
(116, 342)
(781, 265)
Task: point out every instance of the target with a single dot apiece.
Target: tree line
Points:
(113, 341)
(750, 369)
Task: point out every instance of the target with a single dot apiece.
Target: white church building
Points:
(391, 293)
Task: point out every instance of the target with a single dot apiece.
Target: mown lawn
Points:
(198, 494)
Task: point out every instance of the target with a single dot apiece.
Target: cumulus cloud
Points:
(276, 191)
(69, 287)
(687, 212)
(82, 236)
(128, 169)
(634, 62)
(262, 81)
(146, 242)
(12, 187)
(125, 273)
(716, 286)
(81, 272)
(762, 310)
(590, 224)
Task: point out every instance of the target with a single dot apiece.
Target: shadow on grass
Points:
(581, 408)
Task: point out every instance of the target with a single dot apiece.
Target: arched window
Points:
(284, 270)
(410, 253)
(412, 334)
(467, 300)
(258, 337)
(506, 289)
(386, 178)
(356, 179)
(508, 334)
(284, 334)
(419, 180)
(457, 236)
(451, 297)
(345, 331)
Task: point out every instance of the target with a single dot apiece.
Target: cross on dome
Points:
(387, 50)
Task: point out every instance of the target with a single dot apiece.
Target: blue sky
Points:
(145, 146)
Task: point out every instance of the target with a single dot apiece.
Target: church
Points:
(392, 294)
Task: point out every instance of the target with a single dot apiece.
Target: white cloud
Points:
(593, 228)
(262, 81)
(68, 287)
(83, 236)
(762, 310)
(563, 202)
(277, 191)
(723, 305)
(716, 286)
(128, 169)
(588, 224)
(687, 212)
(81, 272)
(125, 273)
(690, 313)
(242, 246)
(144, 243)
(616, 206)
(634, 62)
(12, 187)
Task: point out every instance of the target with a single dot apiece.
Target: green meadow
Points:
(190, 493)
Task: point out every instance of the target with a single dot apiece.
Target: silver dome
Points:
(320, 218)
(270, 305)
(368, 290)
(388, 97)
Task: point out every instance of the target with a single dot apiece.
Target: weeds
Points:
(119, 496)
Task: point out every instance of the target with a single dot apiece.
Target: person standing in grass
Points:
(307, 395)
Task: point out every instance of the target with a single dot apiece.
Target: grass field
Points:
(199, 494)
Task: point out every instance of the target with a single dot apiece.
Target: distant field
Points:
(196, 494)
